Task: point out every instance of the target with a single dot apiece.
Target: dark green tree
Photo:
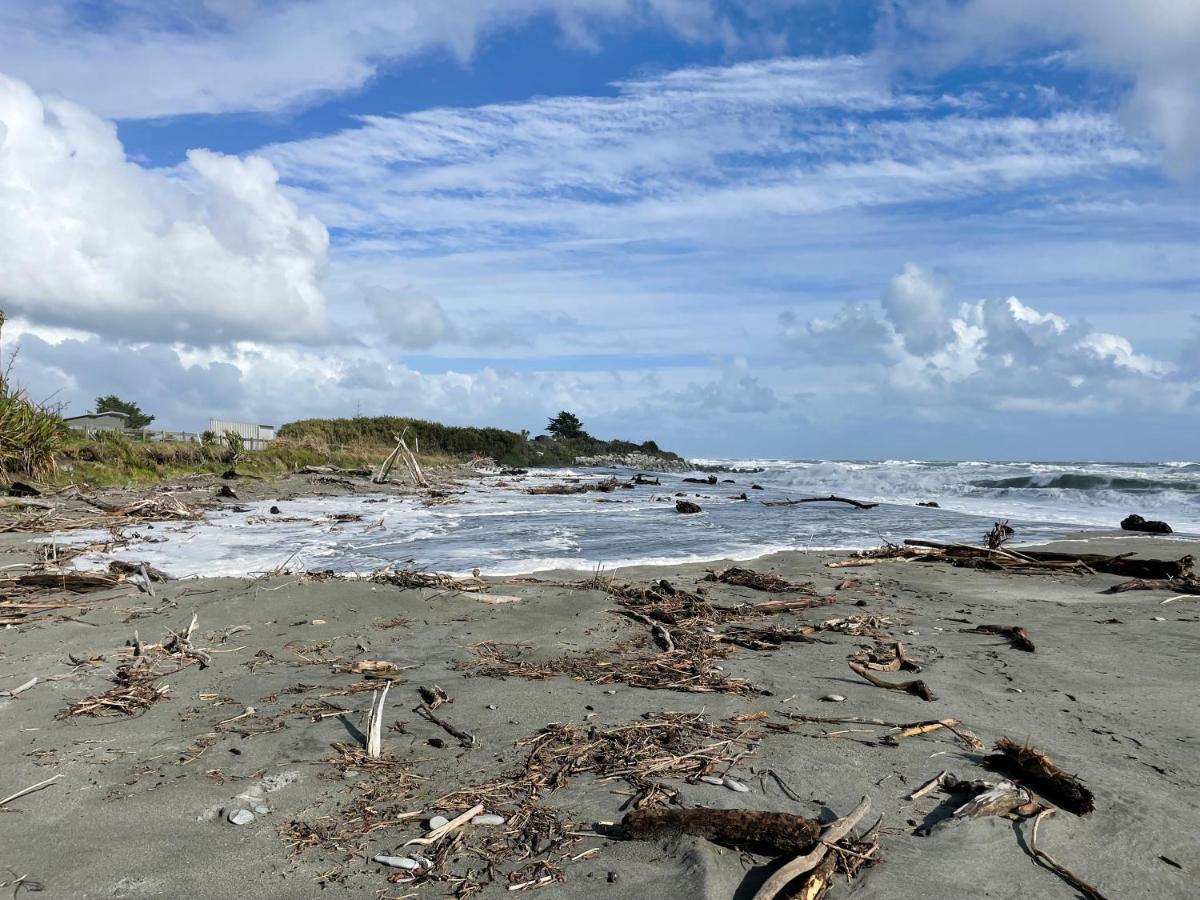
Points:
(112, 403)
(566, 425)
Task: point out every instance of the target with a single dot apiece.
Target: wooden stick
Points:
(831, 834)
(438, 833)
(20, 689)
(375, 722)
(916, 688)
(465, 738)
(30, 789)
(830, 499)
(1056, 867)
(930, 786)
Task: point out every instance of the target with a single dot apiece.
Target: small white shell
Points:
(398, 862)
(488, 819)
(240, 816)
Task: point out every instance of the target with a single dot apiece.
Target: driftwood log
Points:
(830, 834)
(768, 833)
(1018, 635)
(858, 504)
(1178, 585)
(1038, 771)
(916, 688)
(1122, 565)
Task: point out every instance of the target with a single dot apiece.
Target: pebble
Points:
(713, 779)
(491, 706)
(261, 809)
(488, 819)
(912, 631)
(398, 862)
(736, 786)
(240, 816)
(610, 692)
(437, 822)
(1159, 619)
(833, 698)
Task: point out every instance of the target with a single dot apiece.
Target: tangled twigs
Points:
(1056, 867)
(770, 833)
(759, 581)
(917, 688)
(830, 834)
(135, 692)
(1039, 771)
(464, 738)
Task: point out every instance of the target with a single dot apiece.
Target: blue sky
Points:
(761, 228)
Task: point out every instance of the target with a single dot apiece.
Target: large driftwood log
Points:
(858, 504)
(1124, 565)
(769, 833)
(1178, 585)
(831, 834)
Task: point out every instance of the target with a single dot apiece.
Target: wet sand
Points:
(140, 808)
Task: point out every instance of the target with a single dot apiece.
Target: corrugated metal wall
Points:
(246, 430)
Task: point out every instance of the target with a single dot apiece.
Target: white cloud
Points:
(210, 252)
(138, 60)
(1154, 46)
(996, 353)
(408, 317)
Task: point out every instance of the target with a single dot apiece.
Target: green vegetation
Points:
(30, 435)
(509, 448)
(136, 420)
(567, 426)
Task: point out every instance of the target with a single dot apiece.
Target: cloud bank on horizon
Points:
(966, 229)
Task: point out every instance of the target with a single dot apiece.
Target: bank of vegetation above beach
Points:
(566, 444)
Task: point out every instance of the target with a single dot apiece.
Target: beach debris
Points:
(227, 493)
(994, 800)
(999, 535)
(64, 580)
(768, 833)
(1037, 770)
(833, 698)
(240, 817)
(1184, 586)
(886, 658)
(759, 581)
(434, 696)
(857, 504)
(426, 711)
(374, 729)
(811, 861)
(125, 567)
(135, 691)
(940, 780)
(1019, 636)
(29, 790)
(920, 728)
(488, 819)
(372, 668)
(19, 689)
(1088, 891)
(916, 688)
(397, 862)
(1134, 522)
(687, 507)
(496, 599)
(401, 451)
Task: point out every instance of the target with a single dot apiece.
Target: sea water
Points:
(495, 526)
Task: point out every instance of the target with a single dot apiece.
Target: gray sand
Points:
(1114, 703)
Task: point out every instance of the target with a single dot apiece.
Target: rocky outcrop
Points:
(644, 462)
(1134, 522)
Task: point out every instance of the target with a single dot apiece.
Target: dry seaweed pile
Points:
(760, 581)
(134, 691)
(534, 841)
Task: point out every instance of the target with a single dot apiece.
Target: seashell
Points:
(488, 819)
(397, 862)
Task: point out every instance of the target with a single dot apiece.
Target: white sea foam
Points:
(508, 531)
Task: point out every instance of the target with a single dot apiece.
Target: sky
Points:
(934, 229)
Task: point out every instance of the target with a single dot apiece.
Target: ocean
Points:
(506, 531)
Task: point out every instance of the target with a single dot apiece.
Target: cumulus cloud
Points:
(213, 251)
(408, 317)
(997, 352)
(1153, 46)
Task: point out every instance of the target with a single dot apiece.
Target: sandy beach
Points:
(141, 803)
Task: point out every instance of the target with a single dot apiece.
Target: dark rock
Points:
(227, 491)
(932, 504)
(230, 475)
(756, 487)
(711, 479)
(1134, 522)
(686, 506)
(21, 489)
(274, 510)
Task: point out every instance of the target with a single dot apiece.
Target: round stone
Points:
(240, 816)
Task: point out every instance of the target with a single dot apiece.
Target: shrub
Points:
(30, 435)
